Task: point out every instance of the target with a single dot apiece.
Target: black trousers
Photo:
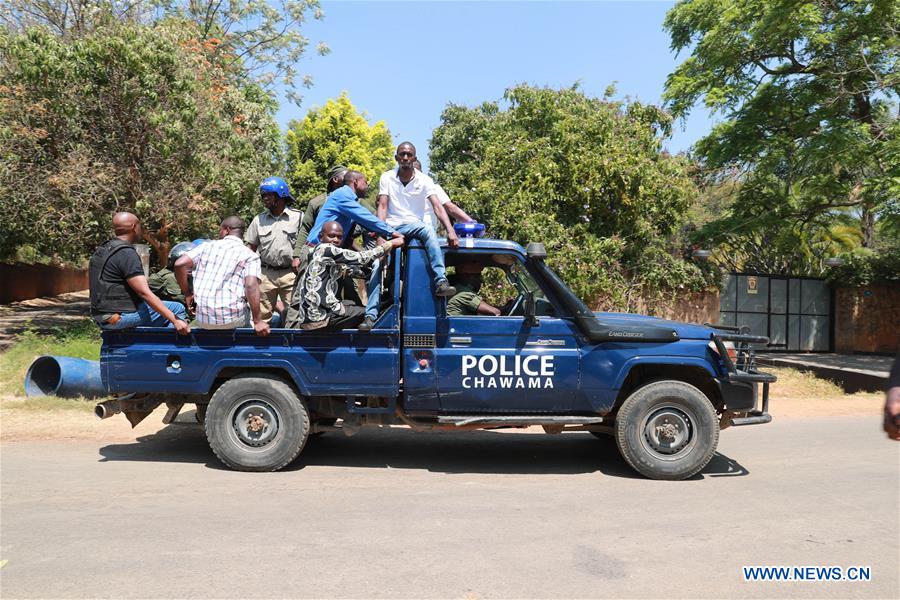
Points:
(352, 317)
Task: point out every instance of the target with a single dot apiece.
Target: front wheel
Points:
(667, 430)
(256, 423)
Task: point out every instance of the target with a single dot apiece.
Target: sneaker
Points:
(443, 288)
(367, 325)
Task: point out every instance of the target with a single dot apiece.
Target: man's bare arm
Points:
(486, 309)
(139, 284)
(441, 215)
(457, 213)
(251, 290)
(183, 266)
(381, 206)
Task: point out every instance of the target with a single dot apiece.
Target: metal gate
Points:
(794, 312)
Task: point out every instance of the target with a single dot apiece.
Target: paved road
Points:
(479, 515)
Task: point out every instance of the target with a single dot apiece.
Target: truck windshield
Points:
(572, 303)
(523, 281)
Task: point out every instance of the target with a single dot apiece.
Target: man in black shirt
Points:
(120, 296)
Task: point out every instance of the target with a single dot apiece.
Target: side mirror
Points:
(530, 310)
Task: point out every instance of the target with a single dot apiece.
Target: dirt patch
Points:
(77, 423)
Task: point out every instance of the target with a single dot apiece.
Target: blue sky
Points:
(402, 62)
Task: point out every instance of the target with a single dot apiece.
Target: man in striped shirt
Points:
(316, 304)
(226, 280)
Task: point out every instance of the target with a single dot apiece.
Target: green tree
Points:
(335, 134)
(807, 91)
(586, 176)
(262, 37)
(124, 117)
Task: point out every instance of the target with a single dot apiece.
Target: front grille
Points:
(418, 341)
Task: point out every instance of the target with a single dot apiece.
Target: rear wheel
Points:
(256, 423)
(667, 430)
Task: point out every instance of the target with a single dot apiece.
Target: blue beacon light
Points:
(467, 232)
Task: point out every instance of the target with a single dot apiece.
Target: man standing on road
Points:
(226, 281)
(273, 234)
(892, 402)
(120, 296)
(318, 306)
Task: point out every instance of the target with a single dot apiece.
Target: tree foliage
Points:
(262, 38)
(807, 91)
(586, 176)
(335, 134)
(124, 117)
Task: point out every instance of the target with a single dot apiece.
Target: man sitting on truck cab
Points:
(466, 301)
(402, 195)
(120, 296)
(226, 280)
(318, 306)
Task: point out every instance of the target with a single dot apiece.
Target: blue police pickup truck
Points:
(663, 389)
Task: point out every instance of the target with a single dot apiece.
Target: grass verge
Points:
(801, 385)
(79, 340)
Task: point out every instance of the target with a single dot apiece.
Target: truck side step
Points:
(464, 420)
(754, 418)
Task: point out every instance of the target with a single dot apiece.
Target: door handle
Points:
(546, 343)
(456, 339)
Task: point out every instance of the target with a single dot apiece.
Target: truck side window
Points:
(492, 285)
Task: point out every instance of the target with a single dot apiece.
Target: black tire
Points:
(256, 423)
(667, 430)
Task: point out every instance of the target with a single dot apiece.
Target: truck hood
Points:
(685, 330)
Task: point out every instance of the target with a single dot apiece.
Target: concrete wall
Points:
(700, 307)
(867, 319)
(23, 282)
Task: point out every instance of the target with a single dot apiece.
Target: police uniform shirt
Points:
(165, 286)
(274, 237)
(464, 302)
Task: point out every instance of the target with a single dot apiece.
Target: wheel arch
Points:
(225, 370)
(644, 373)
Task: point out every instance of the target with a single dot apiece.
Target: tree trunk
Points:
(159, 241)
(868, 225)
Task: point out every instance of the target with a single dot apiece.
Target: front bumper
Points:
(740, 387)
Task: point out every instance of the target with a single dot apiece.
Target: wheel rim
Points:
(668, 432)
(254, 423)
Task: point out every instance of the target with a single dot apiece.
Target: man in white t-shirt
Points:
(402, 195)
(453, 211)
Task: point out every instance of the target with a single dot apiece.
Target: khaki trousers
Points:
(273, 284)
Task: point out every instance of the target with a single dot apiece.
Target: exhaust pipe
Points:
(65, 377)
(108, 408)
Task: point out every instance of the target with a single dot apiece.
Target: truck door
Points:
(504, 364)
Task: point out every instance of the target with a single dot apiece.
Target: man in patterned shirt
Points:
(226, 280)
(317, 304)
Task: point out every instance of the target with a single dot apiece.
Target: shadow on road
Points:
(505, 452)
